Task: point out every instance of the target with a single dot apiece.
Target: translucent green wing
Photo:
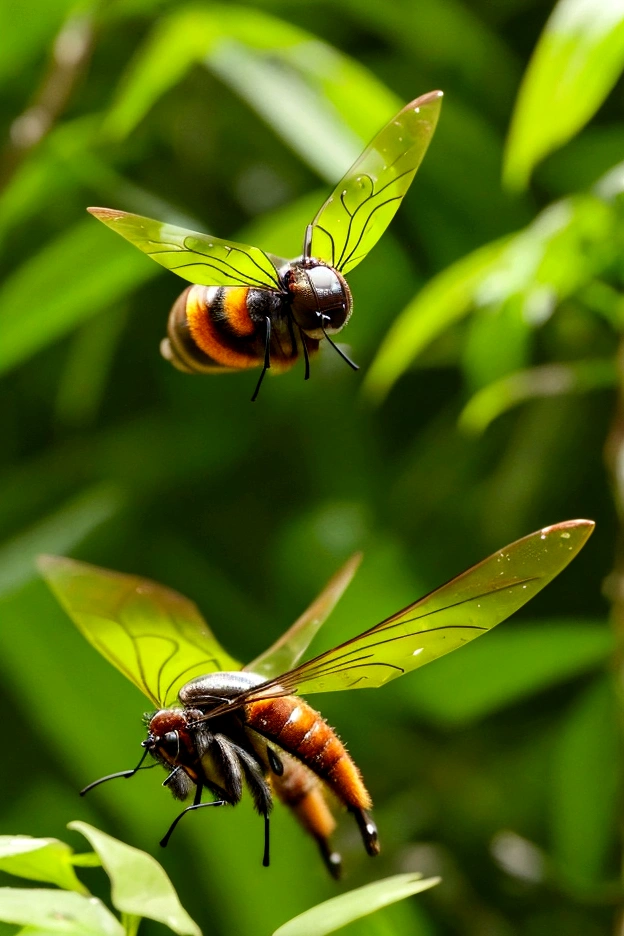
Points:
(198, 258)
(365, 200)
(290, 647)
(154, 636)
(447, 618)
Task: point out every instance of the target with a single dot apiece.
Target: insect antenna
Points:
(344, 356)
(307, 243)
(267, 359)
(306, 356)
(266, 858)
(197, 804)
(121, 773)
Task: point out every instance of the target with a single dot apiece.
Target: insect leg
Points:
(368, 831)
(267, 358)
(196, 805)
(344, 356)
(332, 859)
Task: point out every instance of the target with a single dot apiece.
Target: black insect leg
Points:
(121, 773)
(267, 358)
(344, 356)
(368, 831)
(197, 804)
(332, 859)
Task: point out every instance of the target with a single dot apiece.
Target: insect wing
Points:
(198, 258)
(286, 652)
(153, 635)
(447, 618)
(365, 200)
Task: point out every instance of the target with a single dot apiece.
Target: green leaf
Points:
(577, 61)
(54, 911)
(333, 914)
(587, 774)
(39, 859)
(61, 531)
(139, 885)
(447, 298)
(515, 663)
(566, 246)
(550, 380)
(25, 37)
(83, 271)
(304, 88)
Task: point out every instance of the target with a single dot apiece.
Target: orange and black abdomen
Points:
(297, 728)
(223, 328)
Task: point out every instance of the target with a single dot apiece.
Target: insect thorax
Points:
(207, 691)
(320, 297)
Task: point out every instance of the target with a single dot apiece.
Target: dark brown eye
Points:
(170, 739)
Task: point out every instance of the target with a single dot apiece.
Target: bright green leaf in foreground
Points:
(53, 911)
(139, 886)
(333, 914)
(576, 63)
(39, 859)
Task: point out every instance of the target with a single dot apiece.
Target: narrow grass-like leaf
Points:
(304, 88)
(444, 300)
(53, 911)
(587, 774)
(550, 380)
(333, 914)
(60, 532)
(39, 859)
(139, 885)
(560, 252)
(81, 272)
(575, 64)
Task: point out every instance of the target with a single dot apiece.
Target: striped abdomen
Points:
(294, 725)
(300, 790)
(223, 328)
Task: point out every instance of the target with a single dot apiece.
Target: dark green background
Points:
(497, 767)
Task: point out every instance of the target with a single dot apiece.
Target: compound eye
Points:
(170, 739)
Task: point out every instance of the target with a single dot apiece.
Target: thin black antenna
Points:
(121, 773)
(267, 358)
(266, 858)
(196, 805)
(307, 243)
(340, 352)
(306, 356)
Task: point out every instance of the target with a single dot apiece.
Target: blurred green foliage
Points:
(487, 323)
